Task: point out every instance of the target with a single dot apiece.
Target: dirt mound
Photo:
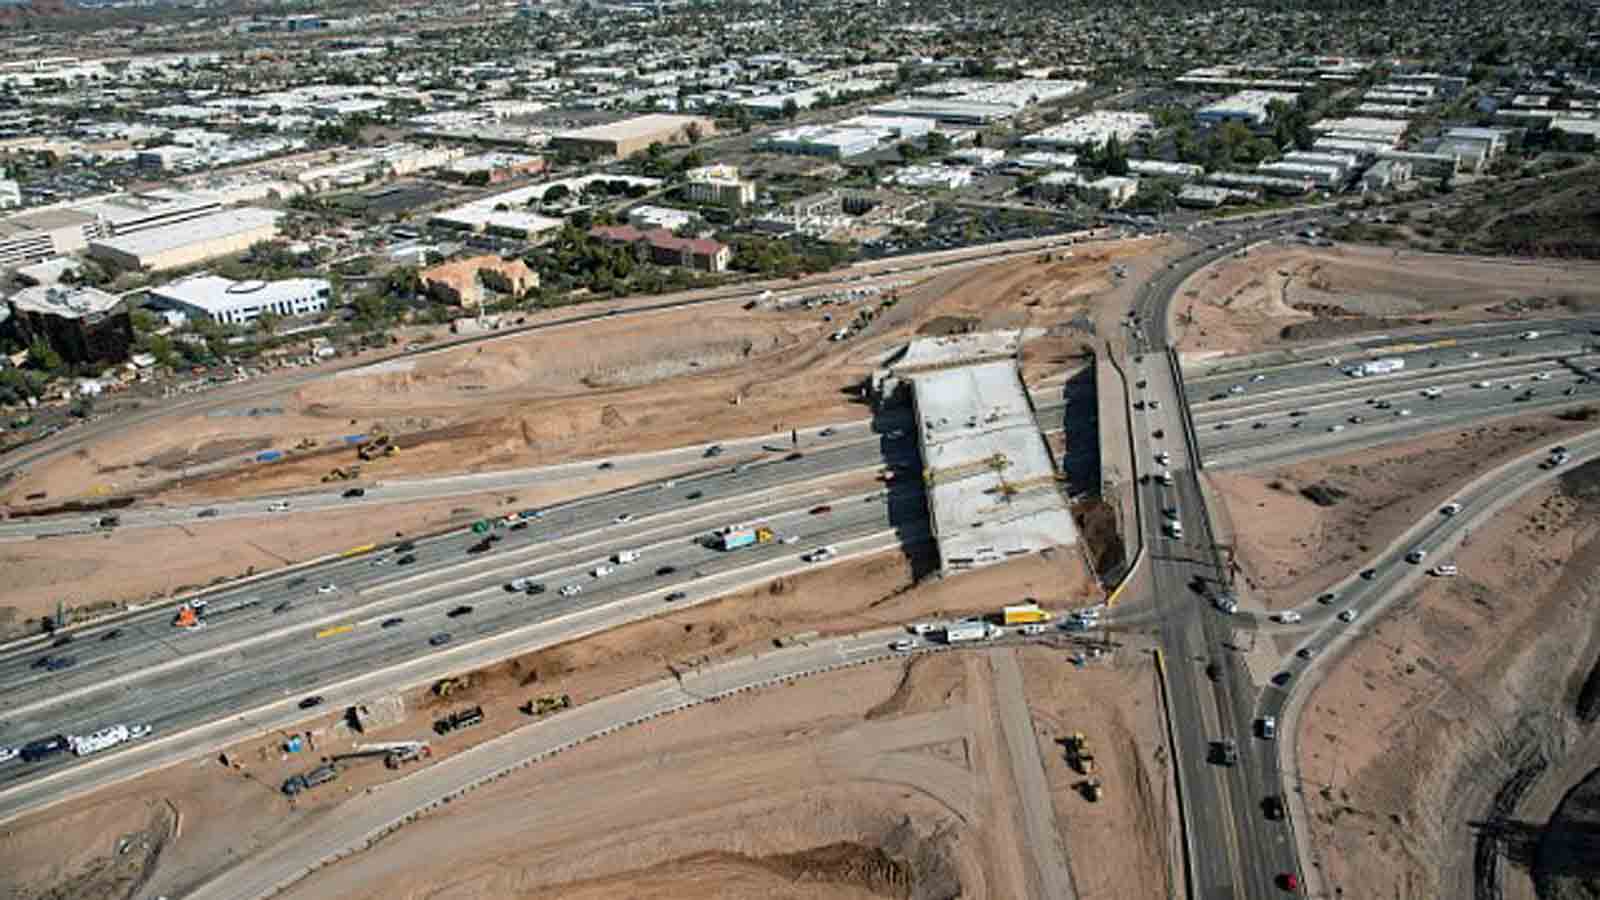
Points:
(1343, 326)
(928, 683)
(1323, 494)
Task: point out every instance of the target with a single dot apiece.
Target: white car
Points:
(278, 506)
(571, 590)
(1482, 384)
(1541, 376)
(1236, 389)
(1288, 618)
(1433, 393)
(326, 589)
(790, 539)
(138, 731)
(1349, 615)
(1529, 335)
(1449, 509)
(1416, 556)
(1258, 378)
(1033, 628)
(623, 519)
(7, 753)
(1403, 412)
(1335, 427)
(922, 627)
(1444, 570)
(601, 571)
(821, 554)
(903, 645)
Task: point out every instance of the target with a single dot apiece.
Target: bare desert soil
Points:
(630, 384)
(1241, 305)
(103, 571)
(1290, 549)
(1416, 732)
(229, 812)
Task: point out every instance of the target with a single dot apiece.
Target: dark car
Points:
(406, 560)
(281, 607)
(111, 635)
(296, 582)
(352, 493)
(714, 450)
(406, 547)
(821, 510)
(605, 465)
(459, 611)
(311, 701)
(519, 525)
(534, 590)
(439, 639)
(1213, 671)
(1272, 807)
(1282, 678)
(1369, 574)
(1142, 384)
(208, 513)
(1158, 434)
(794, 456)
(64, 640)
(675, 596)
(694, 495)
(392, 622)
(666, 570)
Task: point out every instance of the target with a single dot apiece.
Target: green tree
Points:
(267, 323)
(790, 109)
(1114, 158)
(43, 357)
(938, 143)
(693, 132)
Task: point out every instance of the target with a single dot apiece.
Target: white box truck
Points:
(964, 632)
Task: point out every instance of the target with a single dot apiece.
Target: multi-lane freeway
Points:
(1273, 413)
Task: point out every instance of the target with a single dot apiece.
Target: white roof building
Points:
(1094, 128)
(1246, 107)
(231, 302)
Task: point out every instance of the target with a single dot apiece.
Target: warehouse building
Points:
(1095, 129)
(229, 302)
(39, 235)
(188, 243)
(1248, 108)
(620, 140)
(85, 325)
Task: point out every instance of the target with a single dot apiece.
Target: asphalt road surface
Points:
(260, 643)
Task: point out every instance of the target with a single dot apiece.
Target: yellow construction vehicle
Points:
(444, 687)
(543, 706)
(343, 473)
(1078, 754)
(379, 445)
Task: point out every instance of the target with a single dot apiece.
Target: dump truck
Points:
(735, 536)
(964, 632)
(458, 720)
(1024, 614)
(378, 446)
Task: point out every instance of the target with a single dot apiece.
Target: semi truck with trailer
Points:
(967, 632)
(736, 536)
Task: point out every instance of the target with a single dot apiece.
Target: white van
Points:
(626, 556)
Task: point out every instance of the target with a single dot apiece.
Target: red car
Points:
(1289, 881)
(819, 510)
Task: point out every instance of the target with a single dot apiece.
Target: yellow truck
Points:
(1024, 614)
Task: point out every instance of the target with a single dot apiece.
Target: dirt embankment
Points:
(1329, 516)
(1280, 294)
(1453, 705)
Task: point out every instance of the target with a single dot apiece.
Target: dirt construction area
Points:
(667, 379)
(1454, 706)
(1300, 528)
(880, 781)
(1279, 294)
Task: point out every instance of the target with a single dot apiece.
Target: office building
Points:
(719, 185)
(84, 325)
(461, 282)
(229, 302)
(43, 234)
(666, 249)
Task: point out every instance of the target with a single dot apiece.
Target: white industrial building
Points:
(828, 142)
(188, 242)
(1044, 159)
(947, 177)
(1162, 169)
(229, 302)
(955, 112)
(648, 217)
(1246, 107)
(1319, 175)
(1364, 128)
(1094, 128)
(10, 194)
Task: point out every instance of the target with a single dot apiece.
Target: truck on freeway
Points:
(735, 536)
(1023, 614)
(623, 557)
(44, 748)
(1386, 366)
(965, 632)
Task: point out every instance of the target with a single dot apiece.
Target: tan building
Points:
(720, 185)
(188, 243)
(623, 139)
(460, 282)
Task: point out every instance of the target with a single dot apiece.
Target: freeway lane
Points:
(295, 664)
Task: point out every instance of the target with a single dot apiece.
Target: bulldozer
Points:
(1078, 754)
(444, 687)
(1091, 790)
(343, 473)
(543, 706)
